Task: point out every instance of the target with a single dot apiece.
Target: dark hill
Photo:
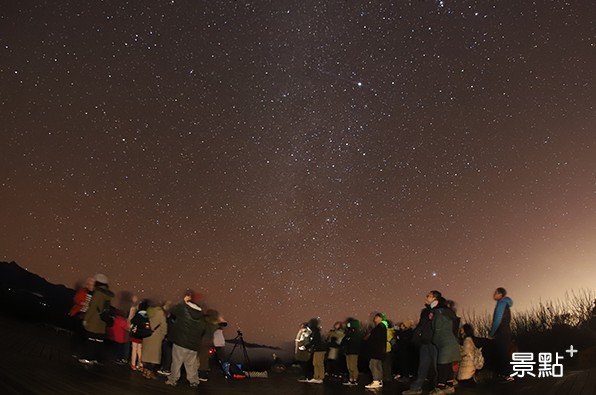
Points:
(31, 297)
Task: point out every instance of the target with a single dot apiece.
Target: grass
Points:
(550, 326)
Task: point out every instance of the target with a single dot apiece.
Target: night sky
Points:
(291, 159)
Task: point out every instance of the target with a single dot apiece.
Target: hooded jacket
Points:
(188, 326)
(101, 298)
(502, 318)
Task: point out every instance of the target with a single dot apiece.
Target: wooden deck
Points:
(36, 360)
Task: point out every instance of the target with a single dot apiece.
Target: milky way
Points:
(299, 159)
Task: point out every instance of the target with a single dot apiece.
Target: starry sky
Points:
(291, 159)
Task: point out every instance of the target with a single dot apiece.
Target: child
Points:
(118, 334)
(136, 340)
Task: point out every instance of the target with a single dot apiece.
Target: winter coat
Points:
(352, 341)
(423, 333)
(152, 344)
(92, 321)
(316, 340)
(119, 331)
(443, 336)
(188, 326)
(377, 342)
(466, 366)
(502, 318)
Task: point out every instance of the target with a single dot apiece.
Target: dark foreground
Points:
(36, 360)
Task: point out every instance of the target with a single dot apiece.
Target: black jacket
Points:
(377, 342)
(423, 333)
(352, 341)
(316, 341)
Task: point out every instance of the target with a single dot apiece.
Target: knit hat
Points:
(101, 278)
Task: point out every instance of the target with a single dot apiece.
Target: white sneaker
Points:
(315, 381)
(374, 384)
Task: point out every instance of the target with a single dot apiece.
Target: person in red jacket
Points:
(77, 313)
(82, 298)
(118, 335)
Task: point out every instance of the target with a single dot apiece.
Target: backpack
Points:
(140, 327)
(478, 358)
(106, 314)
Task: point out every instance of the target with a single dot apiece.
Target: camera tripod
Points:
(239, 340)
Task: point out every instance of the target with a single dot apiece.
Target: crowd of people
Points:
(152, 338)
(161, 339)
(438, 352)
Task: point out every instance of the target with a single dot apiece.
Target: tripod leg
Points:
(228, 362)
(246, 360)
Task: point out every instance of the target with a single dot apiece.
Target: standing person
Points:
(388, 361)
(444, 322)
(211, 321)
(302, 352)
(500, 332)
(405, 352)
(351, 344)
(166, 345)
(319, 350)
(118, 334)
(95, 327)
(186, 333)
(77, 312)
(151, 356)
(334, 359)
(131, 312)
(219, 341)
(377, 345)
(423, 336)
(136, 337)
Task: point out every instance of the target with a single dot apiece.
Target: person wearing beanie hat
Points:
(95, 327)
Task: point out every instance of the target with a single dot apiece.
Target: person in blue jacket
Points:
(500, 332)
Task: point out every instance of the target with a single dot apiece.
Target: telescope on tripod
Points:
(238, 340)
